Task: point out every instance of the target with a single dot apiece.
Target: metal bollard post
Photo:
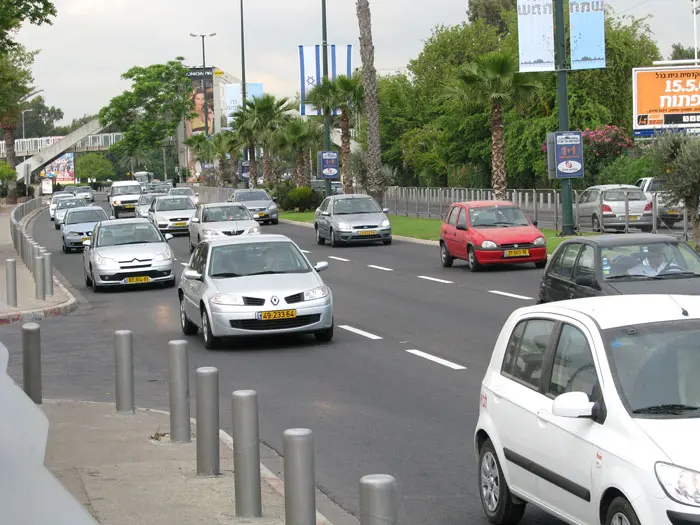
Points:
(11, 282)
(31, 361)
(208, 421)
(246, 453)
(48, 274)
(124, 370)
(378, 503)
(179, 383)
(39, 277)
(299, 477)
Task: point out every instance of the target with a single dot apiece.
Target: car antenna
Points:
(684, 312)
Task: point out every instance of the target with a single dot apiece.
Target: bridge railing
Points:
(24, 147)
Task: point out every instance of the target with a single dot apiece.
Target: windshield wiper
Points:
(225, 274)
(631, 276)
(672, 409)
(266, 272)
(133, 242)
(678, 274)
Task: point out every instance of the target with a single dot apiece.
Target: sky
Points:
(92, 42)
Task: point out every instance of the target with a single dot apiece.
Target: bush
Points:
(627, 170)
(302, 199)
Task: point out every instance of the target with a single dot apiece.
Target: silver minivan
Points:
(605, 204)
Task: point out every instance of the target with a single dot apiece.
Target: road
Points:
(396, 391)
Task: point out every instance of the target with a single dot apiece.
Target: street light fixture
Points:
(23, 127)
(204, 87)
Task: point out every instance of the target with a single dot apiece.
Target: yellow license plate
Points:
(368, 232)
(130, 206)
(277, 314)
(634, 217)
(673, 212)
(85, 238)
(138, 280)
(517, 253)
(179, 224)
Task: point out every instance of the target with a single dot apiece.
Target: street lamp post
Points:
(244, 91)
(326, 116)
(204, 85)
(24, 135)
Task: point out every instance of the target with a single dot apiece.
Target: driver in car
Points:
(653, 263)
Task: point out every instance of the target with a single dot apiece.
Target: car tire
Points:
(319, 239)
(88, 281)
(495, 496)
(169, 284)
(191, 247)
(188, 327)
(331, 239)
(95, 287)
(210, 342)
(275, 221)
(445, 256)
(647, 229)
(387, 242)
(595, 224)
(620, 511)
(64, 248)
(541, 264)
(474, 265)
(56, 226)
(324, 336)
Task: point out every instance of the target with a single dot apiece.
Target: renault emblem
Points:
(275, 300)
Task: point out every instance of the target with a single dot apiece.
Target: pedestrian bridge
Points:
(29, 147)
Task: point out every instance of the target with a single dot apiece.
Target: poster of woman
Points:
(195, 124)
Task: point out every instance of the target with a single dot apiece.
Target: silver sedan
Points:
(125, 252)
(172, 214)
(253, 285)
(62, 208)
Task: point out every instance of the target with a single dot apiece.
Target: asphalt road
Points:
(378, 398)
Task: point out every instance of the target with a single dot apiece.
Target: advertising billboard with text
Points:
(202, 88)
(666, 98)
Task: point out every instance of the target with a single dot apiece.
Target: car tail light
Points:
(606, 208)
(649, 206)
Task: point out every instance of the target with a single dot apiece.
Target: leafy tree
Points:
(293, 138)
(13, 13)
(75, 124)
(680, 52)
(40, 119)
(491, 12)
(94, 165)
(152, 109)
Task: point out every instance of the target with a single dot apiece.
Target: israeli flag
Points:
(311, 70)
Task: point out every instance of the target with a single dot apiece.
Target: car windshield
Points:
(658, 260)
(656, 367)
(497, 217)
(58, 196)
(71, 203)
(182, 191)
(226, 213)
(176, 203)
(353, 206)
(84, 189)
(260, 258)
(129, 233)
(246, 196)
(146, 200)
(81, 216)
(131, 189)
(656, 185)
(619, 195)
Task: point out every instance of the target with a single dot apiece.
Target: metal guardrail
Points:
(26, 147)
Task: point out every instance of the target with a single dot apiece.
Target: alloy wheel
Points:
(619, 519)
(205, 326)
(491, 483)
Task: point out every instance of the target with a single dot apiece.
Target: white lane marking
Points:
(183, 264)
(338, 258)
(434, 279)
(379, 268)
(305, 251)
(514, 296)
(439, 360)
(360, 332)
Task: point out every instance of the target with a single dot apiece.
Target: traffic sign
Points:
(565, 155)
(328, 165)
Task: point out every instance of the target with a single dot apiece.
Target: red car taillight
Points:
(606, 208)
(649, 207)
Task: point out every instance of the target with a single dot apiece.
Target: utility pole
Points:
(244, 87)
(567, 227)
(204, 76)
(326, 117)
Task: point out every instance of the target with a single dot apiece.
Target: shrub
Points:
(302, 199)
(627, 170)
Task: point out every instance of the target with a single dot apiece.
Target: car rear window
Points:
(619, 195)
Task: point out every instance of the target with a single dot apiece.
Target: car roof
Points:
(613, 311)
(126, 183)
(247, 239)
(248, 190)
(614, 187)
(222, 203)
(486, 204)
(611, 240)
(350, 196)
(182, 188)
(131, 220)
(81, 208)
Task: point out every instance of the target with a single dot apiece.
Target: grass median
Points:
(418, 227)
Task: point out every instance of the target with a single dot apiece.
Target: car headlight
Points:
(489, 245)
(540, 241)
(255, 229)
(316, 293)
(106, 262)
(386, 223)
(679, 484)
(73, 234)
(227, 299)
(165, 256)
(344, 226)
(256, 216)
(211, 233)
(116, 203)
(272, 207)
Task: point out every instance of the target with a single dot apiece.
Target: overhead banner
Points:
(536, 35)
(311, 68)
(587, 28)
(62, 170)
(234, 97)
(665, 98)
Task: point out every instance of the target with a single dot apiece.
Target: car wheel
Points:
(541, 264)
(472, 261)
(387, 242)
(275, 221)
(647, 229)
(116, 214)
(595, 224)
(333, 242)
(169, 284)
(494, 493)
(188, 327)
(324, 336)
(445, 256)
(191, 247)
(88, 281)
(57, 226)
(319, 239)
(210, 342)
(64, 249)
(95, 287)
(620, 512)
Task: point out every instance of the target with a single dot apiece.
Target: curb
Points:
(413, 240)
(265, 474)
(28, 316)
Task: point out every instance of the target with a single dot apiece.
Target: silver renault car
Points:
(172, 213)
(219, 219)
(344, 219)
(260, 203)
(125, 252)
(252, 285)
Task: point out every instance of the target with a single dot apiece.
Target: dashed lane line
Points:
(382, 268)
(305, 251)
(513, 295)
(438, 360)
(435, 279)
(338, 258)
(360, 332)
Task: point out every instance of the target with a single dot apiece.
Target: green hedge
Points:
(301, 199)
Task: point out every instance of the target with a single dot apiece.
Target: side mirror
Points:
(112, 217)
(534, 223)
(192, 275)
(194, 219)
(321, 266)
(587, 280)
(573, 405)
(87, 243)
(326, 213)
(196, 194)
(461, 227)
(274, 199)
(168, 236)
(386, 210)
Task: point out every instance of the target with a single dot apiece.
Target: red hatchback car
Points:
(490, 232)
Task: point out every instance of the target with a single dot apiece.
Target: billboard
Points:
(536, 35)
(62, 170)
(202, 87)
(665, 98)
(234, 97)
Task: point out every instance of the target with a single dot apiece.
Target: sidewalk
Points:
(125, 471)
(28, 308)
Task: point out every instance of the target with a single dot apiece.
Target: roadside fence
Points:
(36, 258)
(378, 495)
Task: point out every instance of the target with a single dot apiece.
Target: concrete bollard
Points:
(48, 274)
(378, 503)
(179, 384)
(31, 361)
(208, 463)
(124, 370)
(299, 477)
(11, 282)
(39, 277)
(246, 453)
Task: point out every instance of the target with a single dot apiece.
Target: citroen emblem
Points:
(275, 300)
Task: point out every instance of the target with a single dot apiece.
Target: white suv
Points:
(590, 410)
(124, 197)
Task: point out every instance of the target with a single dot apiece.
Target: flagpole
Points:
(326, 116)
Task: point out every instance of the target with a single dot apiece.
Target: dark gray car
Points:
(351, 219)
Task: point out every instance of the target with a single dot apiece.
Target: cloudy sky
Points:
(93, 41)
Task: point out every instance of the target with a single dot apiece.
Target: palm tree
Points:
(293, 138)
(227, 147)
(493, 79)
(243, 120)
(132, 160)
(313, 142)
(202, 148)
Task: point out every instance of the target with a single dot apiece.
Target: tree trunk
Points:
(299, 171)
(308, 169)
(11, 159)
(252, 169)
(267, 169)
(694, 222)
(369, 81)
(345, 172)
(499, 180)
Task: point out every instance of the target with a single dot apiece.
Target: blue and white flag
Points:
(311, 70)
(587, 22)
(536, 35)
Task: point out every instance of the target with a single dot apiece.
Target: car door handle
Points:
(544, 416)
